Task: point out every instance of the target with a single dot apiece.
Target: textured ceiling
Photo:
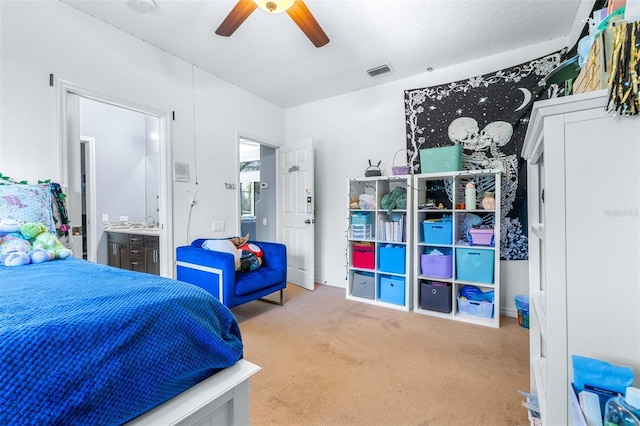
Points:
(270, 57)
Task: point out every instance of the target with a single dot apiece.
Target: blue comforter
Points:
(82, 343)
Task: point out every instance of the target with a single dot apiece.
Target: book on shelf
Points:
(391, 230)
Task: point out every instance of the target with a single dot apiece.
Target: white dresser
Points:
(583, 167)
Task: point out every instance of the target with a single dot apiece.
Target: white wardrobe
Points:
(583, 167)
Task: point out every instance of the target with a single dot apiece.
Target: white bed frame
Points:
(222, 399)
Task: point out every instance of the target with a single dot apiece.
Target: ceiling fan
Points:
(296, 9)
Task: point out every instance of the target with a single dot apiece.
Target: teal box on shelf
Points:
(392, 258)
(474, 265)
(391, 290)
(361, 218)
(441, 159)
(437, 232)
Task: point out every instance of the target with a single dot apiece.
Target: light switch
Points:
(264, 221)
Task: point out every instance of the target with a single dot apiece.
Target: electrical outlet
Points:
(105, 217)
(218, 225)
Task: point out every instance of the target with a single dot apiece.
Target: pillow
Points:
(249, 261)
(27, 203)
(225, 246)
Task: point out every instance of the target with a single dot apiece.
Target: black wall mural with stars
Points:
(488, 115)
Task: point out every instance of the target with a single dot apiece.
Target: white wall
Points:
(43, 37)
(370, 124)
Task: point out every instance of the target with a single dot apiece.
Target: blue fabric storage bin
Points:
(392, 258)
(392, 290)
(474, 265)
(437, 232)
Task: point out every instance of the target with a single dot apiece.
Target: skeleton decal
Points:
(495, 135)
(488, 115)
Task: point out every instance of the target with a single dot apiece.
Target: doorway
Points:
(120, 167)
(125, 183)
(258, 184)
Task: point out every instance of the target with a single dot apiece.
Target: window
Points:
(249, 186)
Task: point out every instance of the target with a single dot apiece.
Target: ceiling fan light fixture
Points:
(274, 6)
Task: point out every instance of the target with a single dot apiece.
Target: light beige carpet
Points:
(330, 361)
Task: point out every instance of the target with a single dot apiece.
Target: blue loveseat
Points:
(215, 272)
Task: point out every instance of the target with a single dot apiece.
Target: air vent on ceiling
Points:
(379, 70)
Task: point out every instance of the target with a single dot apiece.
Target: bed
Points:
(83, 343)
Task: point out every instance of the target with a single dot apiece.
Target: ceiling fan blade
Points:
(303, 18)
(236, 17)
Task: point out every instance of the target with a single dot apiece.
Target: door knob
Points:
(309, 221)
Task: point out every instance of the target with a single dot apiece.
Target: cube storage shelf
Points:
(445, 258)
(379, 258)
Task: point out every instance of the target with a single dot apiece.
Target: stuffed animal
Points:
(239, 241)
(14, 250)
(7, 226)
(250, 257)
(41, 238)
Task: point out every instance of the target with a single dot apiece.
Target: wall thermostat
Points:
(181, 172)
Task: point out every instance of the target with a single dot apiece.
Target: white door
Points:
(297, 211)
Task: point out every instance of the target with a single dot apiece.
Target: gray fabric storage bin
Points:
(435, 296)
(363, 285)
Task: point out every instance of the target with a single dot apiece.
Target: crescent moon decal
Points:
(527, 98)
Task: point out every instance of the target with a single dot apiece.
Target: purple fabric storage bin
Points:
(437, 266)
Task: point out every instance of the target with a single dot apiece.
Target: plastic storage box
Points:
(363, 285)
(437, 232)
(364, 256)
(475, 308)
(441, 159)
(435, 296)
(392, 290)
(481, 237)
(437, 266)
(475, 265)
(392, 258)
(361, 218)
(361, 231)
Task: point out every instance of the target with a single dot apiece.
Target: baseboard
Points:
(509, 312)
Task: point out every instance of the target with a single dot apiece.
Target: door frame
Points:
(90, 191)
(165, 215)
(242, 135)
